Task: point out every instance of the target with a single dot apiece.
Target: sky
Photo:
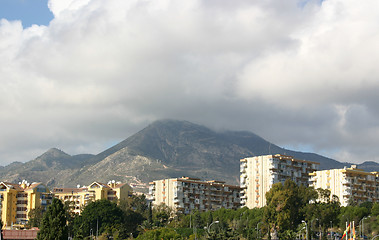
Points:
(28, 11)
(82, 75)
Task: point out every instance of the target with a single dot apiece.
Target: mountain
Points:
(164, 149)
(47, 168)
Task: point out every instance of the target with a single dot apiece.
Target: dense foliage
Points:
(103, 217)
(54, 223)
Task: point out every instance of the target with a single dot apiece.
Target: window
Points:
(21, 208)
(22, 201)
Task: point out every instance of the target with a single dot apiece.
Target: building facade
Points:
(258, 174)
(187, 194)
(17, 200)
(79, 197)
(348, 184)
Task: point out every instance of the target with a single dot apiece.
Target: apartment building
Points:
(18, 199)
(81, 196)
(187, 194)
(348, 184)
(259, 173)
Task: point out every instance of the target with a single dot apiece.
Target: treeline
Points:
(291, 212)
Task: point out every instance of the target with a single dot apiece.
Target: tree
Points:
(53, 225)
(103, 216)
(35, 217)
(70, 216)
(99, 216)
(138, 204)
(162, 214)
(285, 207)
(160, 233)
(325, 209)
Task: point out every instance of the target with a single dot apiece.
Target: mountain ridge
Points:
(163, 149)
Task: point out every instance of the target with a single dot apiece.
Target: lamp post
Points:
(209, 227)
(362, 226)
(258, 230)
(306, 229)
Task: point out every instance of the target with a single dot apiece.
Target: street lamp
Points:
(362, 226)
(306, 229)
(209, 227)
(258, 230)
(312, 222)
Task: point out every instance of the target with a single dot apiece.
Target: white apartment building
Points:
(348, 184)
(186, 194)
(259, 173)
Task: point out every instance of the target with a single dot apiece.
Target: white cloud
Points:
(102, 70)
(57, 7)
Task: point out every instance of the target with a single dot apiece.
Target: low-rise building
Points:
(17, 200)
(348, 184)
(187, 194)
(259, 173)
(13, 234)
(79, 197)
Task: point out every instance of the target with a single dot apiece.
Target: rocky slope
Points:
(163, 149)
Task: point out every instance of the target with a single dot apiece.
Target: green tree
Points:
(285, 207)
(150, 215)
(35, 217)
(70, 216)
(138, 204)
(160, 233)
(324, 211)
(105, 216)
(53, 225)
(162, 214)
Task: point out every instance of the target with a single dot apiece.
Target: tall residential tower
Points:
(258, 174)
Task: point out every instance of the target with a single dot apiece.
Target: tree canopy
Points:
(103, 216)
(53, 225)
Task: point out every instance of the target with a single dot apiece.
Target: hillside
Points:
(163, 149)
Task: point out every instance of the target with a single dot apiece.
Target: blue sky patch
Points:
(28, 11)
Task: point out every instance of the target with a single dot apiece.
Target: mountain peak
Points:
(163, 149)
(54, 153)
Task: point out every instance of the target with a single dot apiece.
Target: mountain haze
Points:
(164, 149)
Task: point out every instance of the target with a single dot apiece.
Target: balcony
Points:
(273, 166)
(346, 182)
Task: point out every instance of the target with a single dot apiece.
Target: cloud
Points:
(296, 73)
